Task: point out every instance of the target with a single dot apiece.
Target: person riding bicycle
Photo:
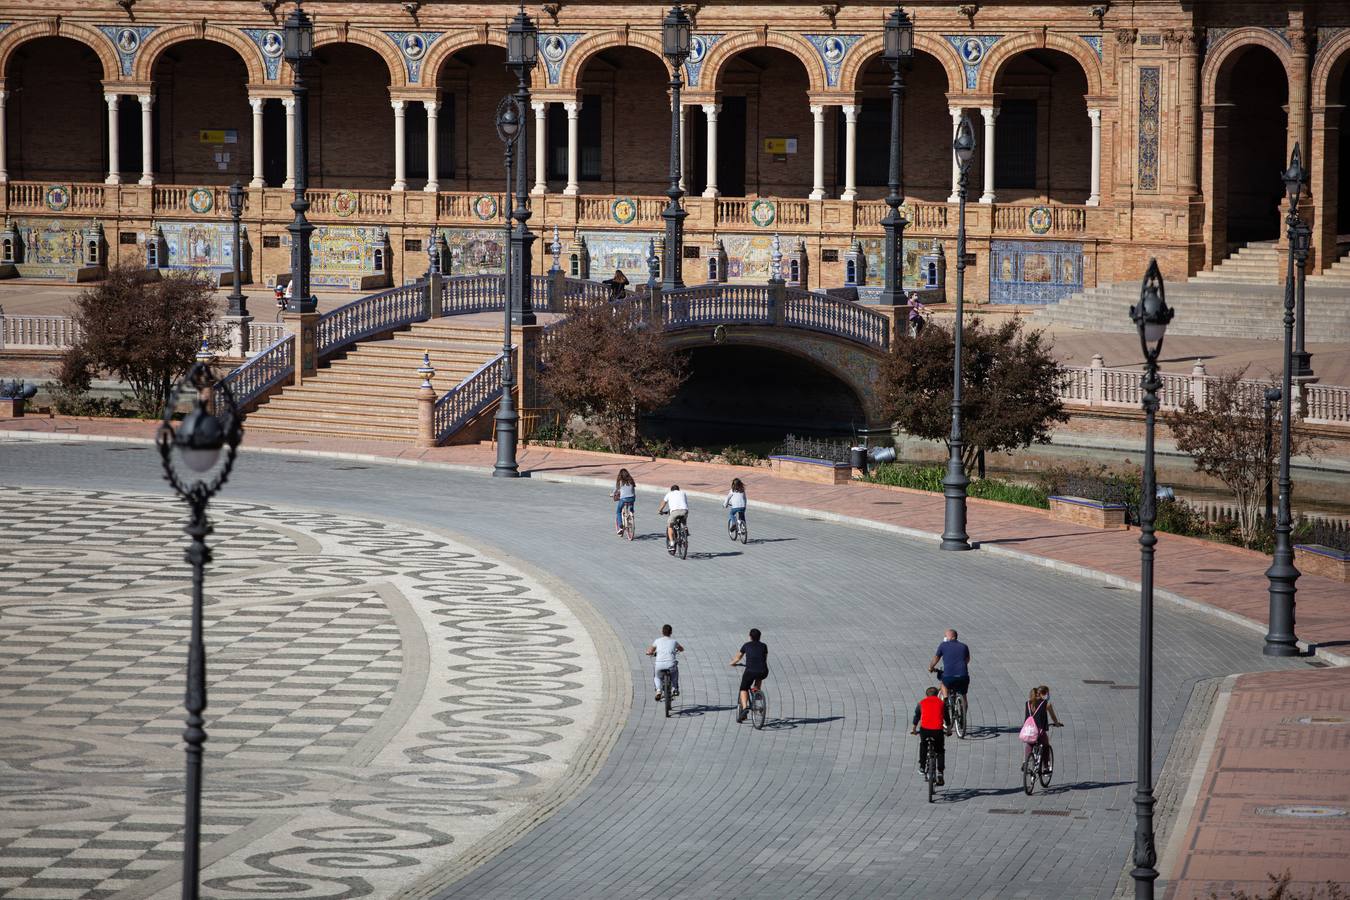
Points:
(756, 655)
(735, 503)
(664, 649)
(625, 494)
(677, 504)
(917, 313)
(954, 657)
(1039, 709)
(928, 725)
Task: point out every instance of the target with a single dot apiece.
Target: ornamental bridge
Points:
(762, 356)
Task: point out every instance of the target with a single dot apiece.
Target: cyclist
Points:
(954, 657)
(756, 655)
(735, 503)
(664, 649)
(1040, 709)
(677, 504)
(928, 724)
(625, 494)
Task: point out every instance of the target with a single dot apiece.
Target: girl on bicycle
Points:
(735, 503)
(625, 494)
(1039, 708)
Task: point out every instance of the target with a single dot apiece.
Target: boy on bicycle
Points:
(928, 725)
(664, 649)
(676, 502)
(756, 655)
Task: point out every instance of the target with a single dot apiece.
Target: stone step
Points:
(335, 431)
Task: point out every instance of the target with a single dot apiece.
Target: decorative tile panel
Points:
(199, 245)
(51, 247)
(1282, 34)
(1326, 34)
(972, 48)
(127, 40)
(1150, 40)
(1215, 36)
(270, 44)
(554, 47)
(1095, 42)
(343, 256)
(1034, 272)
(413, 47)
(1150, 90)
(832, 49)
(626, 250)
(699, 45)
(911, 278)
(475, 251)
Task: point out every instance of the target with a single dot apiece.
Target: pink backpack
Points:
(1030, 730)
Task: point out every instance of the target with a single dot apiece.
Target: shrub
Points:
(739, 456)
(1009, 492)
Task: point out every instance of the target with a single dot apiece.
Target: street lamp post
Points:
(510, 121)
(193, 465)
(522, 53)
(299, 49)
(675, 35)
(898, 52)
(1282, 575)
(954, 484)
(1272, 396)
(1151, 317)
(238, 303)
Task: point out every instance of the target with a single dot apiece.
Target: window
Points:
(415, 140)
(1015, 136)
(873, 147)
(588, 140)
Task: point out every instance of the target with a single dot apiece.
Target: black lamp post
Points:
(1151, 317)
(675, 34)
(299, 49)
(954, 484)
(510, 122)
(193, 463)
(898, 52)
(1300, 246)
(238, 302)
(1282, 575)
(1272, 396)
(522, 53)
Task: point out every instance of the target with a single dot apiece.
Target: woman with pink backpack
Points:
(1041, 712)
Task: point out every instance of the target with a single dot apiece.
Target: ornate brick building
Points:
(1108, 132)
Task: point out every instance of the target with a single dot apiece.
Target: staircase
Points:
(371, 393)
(1259, 262)
(1335, 276)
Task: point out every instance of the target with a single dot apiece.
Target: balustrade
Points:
(36, 332)
(265, 334)
(371, 315)
(273, 366)
(461, 403)
(842, 318)
(323, 202)
(460, 206)
(472, 293)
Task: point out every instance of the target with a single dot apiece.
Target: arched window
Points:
(7, 248)
(850, 272)
(379, 259)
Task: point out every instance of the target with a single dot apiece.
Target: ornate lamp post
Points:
(954, 484)
(192, 458)
(299, 49)
(1151, 316)
(510, 123)
(675, 33)
(522, 53)
(238, 303)
(1282, 575)
(898, 52)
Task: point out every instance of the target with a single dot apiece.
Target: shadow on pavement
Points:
(1081, 786)
(1034, 537)
(768, 540)
(794, 723)
(713, 555)
(960, 795)
(703, 709)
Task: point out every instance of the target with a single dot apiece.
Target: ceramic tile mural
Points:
(476, 251)
(1031, 272)
(1149, 102)
(199, 245)
(973, 48)
(626, 250)
(348, 257)
(832, 49)
(911, 277)
(128, 40)
(51, 247)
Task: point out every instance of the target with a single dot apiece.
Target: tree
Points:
(1009, 394)
(1226, 440)
(147, 333)
(607, 366)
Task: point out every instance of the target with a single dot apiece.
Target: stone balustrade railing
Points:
(457, 406)
(821, 312)
(36, 332)
(369, 316)
(270, 368)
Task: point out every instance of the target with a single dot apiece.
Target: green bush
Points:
(908, 475)
(1179, 517)
(739, 456)
(1009, 492)
(587, 440)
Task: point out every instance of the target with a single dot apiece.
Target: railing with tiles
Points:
(369, 316)
(461, 206)
(926, 216)
(351, 204)
(458, 406)
(273, 366)
(40, 197)
(1017, 218)
(842, 318)
(605, 210)
(178, 200)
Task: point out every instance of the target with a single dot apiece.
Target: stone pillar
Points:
(433, 164)
(711, 110)
(1189, 91)
(1325, 182)
(990, 114)
(850, 153)
(257, 105)
(305, 327)
(817, 152)
(1214, 181)
(400, 157)
(114, 141)
(4, 136)
(1096, 380)
(955, 112)
(1095, 191)
(573, 148)
(147, 140)
(1298, 93)
(289, 183)
(684, 146)
(426, 415)
(540, 108)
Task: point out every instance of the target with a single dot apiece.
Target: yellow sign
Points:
(218, 136)
(780, 146)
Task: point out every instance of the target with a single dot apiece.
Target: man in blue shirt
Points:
(954, 657)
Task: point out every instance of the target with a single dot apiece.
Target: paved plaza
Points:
(429, 683)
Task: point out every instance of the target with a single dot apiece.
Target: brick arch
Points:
(586, 48)
(162, 40)
(450, 44)
(12, 39)
(372, 40)
(726, 49)
(1218, 59)
(1004, 51)
(933, 45)
(1332, 59)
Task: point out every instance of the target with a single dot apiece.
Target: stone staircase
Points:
(1259, 262)
(371, 393)
(1337, 275)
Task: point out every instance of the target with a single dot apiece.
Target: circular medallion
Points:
(720, 334)
(201, 200)
(272, 44)
(555, 47)
(763, 213)
(833, 50)
(1038, 219)
(972, 51)
(57, 197)
(344, 203)
(485, 207)
(414, 46)
(128, 40)
(698, 48)
(624, 210)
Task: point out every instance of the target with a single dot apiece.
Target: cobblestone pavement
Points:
(825, 801)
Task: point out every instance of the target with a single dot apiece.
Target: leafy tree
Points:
(147, 333)
(1009, 396)
(607, 366)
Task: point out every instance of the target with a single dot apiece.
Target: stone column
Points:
(817, 152)
(684, 145)
(540, 108)
(711, 110)
(114, 141)
(1325, 182)
(850, 152)
(1188, 132)
(990, 114)
(433, 164)
(1095, 191)
(573, 147)
(955, 112)
(257, 105)
(400, 157)
(1298, 93)
(289, 183)
(4, 135)
(147, 140)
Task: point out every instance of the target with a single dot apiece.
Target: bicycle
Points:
(1039, 764)
(758, 710)
(681, 548)
(666, 689)
(954, 711)
(930, 773)
(737, 530)
(628, 524)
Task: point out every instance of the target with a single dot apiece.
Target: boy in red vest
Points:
(928, 724)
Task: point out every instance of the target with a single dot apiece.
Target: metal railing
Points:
(841, 318)
(273, 366)
(376, 314)
(457, 407)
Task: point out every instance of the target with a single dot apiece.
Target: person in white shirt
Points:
(735, 503)
(677, 504)
(664, 649)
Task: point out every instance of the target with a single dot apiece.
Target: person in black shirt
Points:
(756, 655)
